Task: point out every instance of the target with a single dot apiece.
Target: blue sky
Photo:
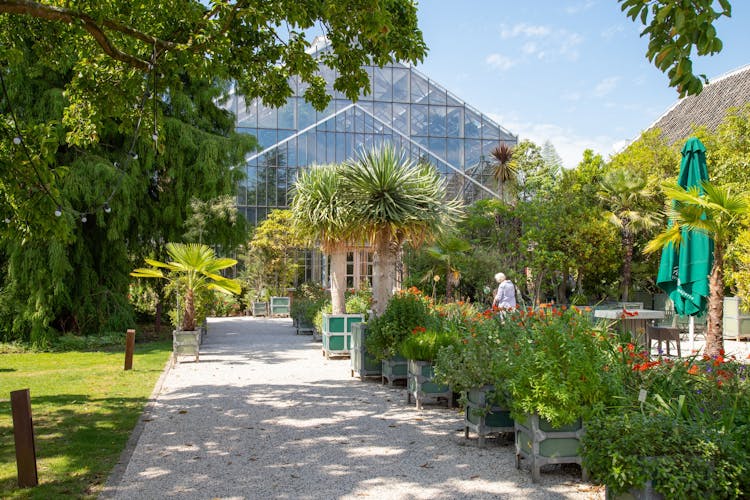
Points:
(573, 72)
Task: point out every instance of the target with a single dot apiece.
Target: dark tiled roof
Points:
(707, 108)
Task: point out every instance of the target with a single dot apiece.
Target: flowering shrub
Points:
(406, 310)
(559, 365)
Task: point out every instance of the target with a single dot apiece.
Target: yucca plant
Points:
(193, 268)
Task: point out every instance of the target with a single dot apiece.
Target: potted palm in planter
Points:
(193, 268)
(559, 368)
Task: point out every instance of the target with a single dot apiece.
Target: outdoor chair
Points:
(666, 334)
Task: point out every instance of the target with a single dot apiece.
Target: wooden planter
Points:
(260, 308)
(482, 416)
(363, 363)
(185, 343)
(420, 384)
(279, 306)
(393, 369)
(337, 333)
(543, 444)
(736, 324)
(303, 326)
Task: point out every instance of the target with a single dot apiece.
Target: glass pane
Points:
(286, 115)
(419, 120)
(437, 121)
(384, 112)
(437, 95)
(340, 147)
(472, 125)
(247, 115)
(382, 84)
(401, 118)
(291, 159)
(401, 84)
(266, 138)
(452, 100)
(455, 122)
(418, 89)
(472, 152)
(266, 116)
(455, 152)
(368, 95)
(437, 147)
(306, 113)
(489, 129)
(312, 149)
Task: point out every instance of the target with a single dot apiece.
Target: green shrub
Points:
(406, 310)
(424, 345)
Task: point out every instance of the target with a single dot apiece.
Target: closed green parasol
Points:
(683, 272)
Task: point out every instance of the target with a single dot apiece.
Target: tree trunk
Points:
(383, 263)
(188, 322)
(715, 320)
(338, 279)
(627, 241)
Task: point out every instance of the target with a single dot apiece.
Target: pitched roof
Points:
(707, 108)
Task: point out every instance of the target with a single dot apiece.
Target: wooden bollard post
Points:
(23, 431)
(129, 347)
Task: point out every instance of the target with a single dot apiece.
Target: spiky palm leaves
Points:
(195, 267)
(717, 213)
(504, 170)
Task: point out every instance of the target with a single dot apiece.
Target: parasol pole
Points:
(691, 333)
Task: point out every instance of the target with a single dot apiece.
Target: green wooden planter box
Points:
(736, 323)
(393, 369)
(303, 326)
(542, 444)
(185, 343)
(260, 308)
(420, 384)
(483, 417)
(363, 363)
(279, 306)
(337, 333)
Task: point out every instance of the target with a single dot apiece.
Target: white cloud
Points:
(610, 32)
(606, 86)
(569, 144)
(527, 30)
(544, 42)
(500, 62)
(580, 7)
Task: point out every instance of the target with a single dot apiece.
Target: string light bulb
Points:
(58, 212)
(107, 208)
(16, 141)
(84, 219)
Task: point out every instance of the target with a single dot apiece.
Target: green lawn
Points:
(84, 406)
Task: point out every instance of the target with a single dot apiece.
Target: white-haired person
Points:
(505, 297)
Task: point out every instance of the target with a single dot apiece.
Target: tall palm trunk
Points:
(338, 279)
(383, 264)
(627, 266)
(715, 320)
(189, 322)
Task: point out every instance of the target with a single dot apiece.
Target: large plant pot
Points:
(279, 306)
(483, 416)
(421, 386)
(645, 493)
(185, 343)
(393, 369)
(337, 333)
(363, 363)
(260, 308)
(543, 444)
(303, 326)
(736, 324)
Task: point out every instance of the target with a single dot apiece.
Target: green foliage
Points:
(559, 366)
(308, 300)
(216, 222)
(424, 345)
(682, 425)
(677, 31)
(406, 310)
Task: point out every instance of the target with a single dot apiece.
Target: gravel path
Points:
(265, 415)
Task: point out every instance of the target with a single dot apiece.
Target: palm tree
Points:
(395, 199)
(194, 268)
(445, 251)
(718, 214)
(321, 212)
(624, 193)
(504, 170)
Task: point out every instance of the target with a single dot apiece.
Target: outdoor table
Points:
(633, 321)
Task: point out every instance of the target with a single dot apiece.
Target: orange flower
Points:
(693, 370)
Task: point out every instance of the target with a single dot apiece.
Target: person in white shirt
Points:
(505, 298)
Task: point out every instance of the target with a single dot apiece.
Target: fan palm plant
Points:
(194, 267)
(322, 214)
(718, 214)
(395, 199)
(624, 194)
(504, 170)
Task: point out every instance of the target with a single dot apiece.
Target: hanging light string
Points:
(122, 166)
